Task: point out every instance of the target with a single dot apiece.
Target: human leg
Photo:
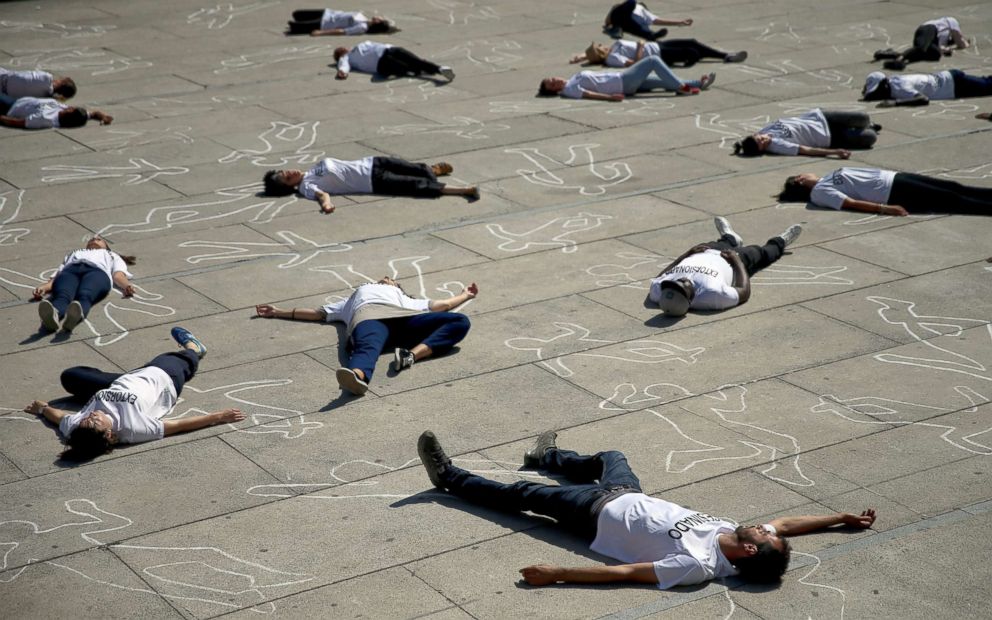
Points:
(610, 468)
(923, 194)
(93, 287)
(691, 48)
(925, 45)
(621, 17)
(971, 85)
(850, 130)
(368, 340)
(396, 177)
(179, 365)
(637, 77)
(85, 381)
(401, 61)
(64, 287)
(437, 331)
(305, 15)
(757, 257)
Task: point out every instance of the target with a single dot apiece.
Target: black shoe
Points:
(545, 442)
(876, 127)
(433, 457)
(661, 34)
(886, 54)
(402, 359)
(895, 64)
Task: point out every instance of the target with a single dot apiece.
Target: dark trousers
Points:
(402, 62)
(754, 257)
(598, 478)
(925, 45)
(85, 381)
(79, 282)
(305, 21)
(438, 330)
(621, 16)
(971, 85)
(687, 52)
(923, 194)
(850, 130)
(392, 176)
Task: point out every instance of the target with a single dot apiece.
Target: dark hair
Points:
(86, 443)
(794, 191)
(339, 52)
(748, 147)
(767, 565)
(544, 91)
(275, 187)
(375, 27)
(128, 259)
(73, 117)
(66, 88)
(882, 91)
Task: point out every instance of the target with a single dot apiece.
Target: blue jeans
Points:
(637, 77)
(971, 85)
(575, 507)
(85, 381)
(438, 330)
(80, 282)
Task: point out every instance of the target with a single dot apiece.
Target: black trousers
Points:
(925, 45)
(401, 61)
(687, 52)
(393, 176)
(305, 21)
(622, 16)
(850, 130)
(754, 257)
(85, 381)
(923, 194)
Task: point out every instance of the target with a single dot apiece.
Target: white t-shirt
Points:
(944, 27)
(107, 261)
(868, 184)
(363, 57)
(643, 16)
(680, 542)
(17, 84)
(352, 22)
(38, 113)
(337, 176)
(788, 134)
(136, 402)
(938, 85)
(621, 52)
(711, 275)
(604, 82)
(373, 293)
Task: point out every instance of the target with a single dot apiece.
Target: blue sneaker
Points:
(184, 337)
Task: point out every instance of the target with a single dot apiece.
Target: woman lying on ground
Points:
(817, 133)
(83, 279)
(684, 52)
(615, 85)
(887, 192)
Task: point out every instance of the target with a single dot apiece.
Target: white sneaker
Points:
(73, 316)
(49, 318)
(723, 227)
(791, 234)
(447, 73)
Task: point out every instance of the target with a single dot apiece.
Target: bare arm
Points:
(742, 282)
(639, 54)
(546, 574)
(43, 290)
(813, 151)
(10, 121)
(184, 425)
(122, 283)
(794, 526)
(673, 22)
(601, 97)
(918, 100)
(444, 305)
(324, 199)
(873, 207)
(328, 32)
(40, 407)
(103, 117)
(296, 314)
(576, 59)
(693, 250)
(960, 42)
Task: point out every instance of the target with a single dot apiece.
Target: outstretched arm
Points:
(918, 100)
(328, 32)
(123, 283)
(103, 117)
(10, 121)
(267, 311)
(794, 526)
(601, 97)
(184, 425)
(547, 574)
(742, 282)
(813, 151)
(324, 199)
(40, 407)
(873, 207)
(443, 305)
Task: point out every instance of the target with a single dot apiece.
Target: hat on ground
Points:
(872, 81)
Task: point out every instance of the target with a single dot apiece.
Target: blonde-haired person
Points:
(684, 52)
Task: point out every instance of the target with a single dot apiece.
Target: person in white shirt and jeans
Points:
(659, 542)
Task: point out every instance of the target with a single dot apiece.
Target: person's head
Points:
(876, 87)
(753, 145)
(339, 52)
(798, 188)
(765, 555)
(676, 296)
(94, 436)
(73, 117)
(551, 86)
(64, 88)
(282, 182)
(596, 53)
(390, 282)
(382, 25)
(96, 242)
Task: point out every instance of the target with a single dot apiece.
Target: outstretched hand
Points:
(128, 290)
(266, 311)
(540, 574)
(36, 407)
(863, 520)
(37, 294)
(231, 415)
(471, 290)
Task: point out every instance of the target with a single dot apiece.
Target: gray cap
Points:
(674, 298)
(872, 81)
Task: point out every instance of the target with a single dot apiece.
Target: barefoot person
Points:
(659, 542)
(129, 407)
(387, 176)
(83, 279)
(649, 73)
(380, 315)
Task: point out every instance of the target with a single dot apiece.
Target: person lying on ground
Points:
(648, 73)
(328, 22)
(635, 18)
(683, 52)
(17, 84)
(818, 133)
(41, 113)
(914, 89)
(932, 39)
(387, 61)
